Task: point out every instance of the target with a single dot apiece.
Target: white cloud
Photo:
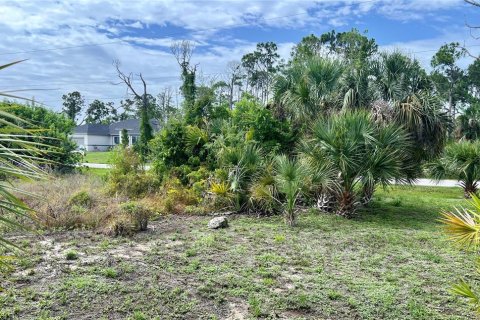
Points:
(31, 25)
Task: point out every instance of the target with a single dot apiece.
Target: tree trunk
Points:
(347, 204)
(230, 102)
(290, 218)
(469, 189)
(367, 194)
(326, 202)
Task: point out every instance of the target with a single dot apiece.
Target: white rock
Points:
(218, 222)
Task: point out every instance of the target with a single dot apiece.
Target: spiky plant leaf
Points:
(463, 289)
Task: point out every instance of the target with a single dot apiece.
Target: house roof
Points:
(132, 126)
(92, 129)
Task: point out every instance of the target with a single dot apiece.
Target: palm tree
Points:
(18, 158)
(309, 88)
(290, 176)
(402, 85)
(361, 153)
(462, 160)
(422, 117)
(396, 76)
(357, 87)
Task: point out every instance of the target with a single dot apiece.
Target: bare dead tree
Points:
(128, 81)
(145, 127)
(235, 74)
(183, 51)
(475, 3)
(165, 103)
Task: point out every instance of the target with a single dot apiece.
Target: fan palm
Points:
(18, 155)
(422, 116)
(310, 87)
(397, 76)
(357, 85)
(361, 153)
(290, 176)
(461, 160)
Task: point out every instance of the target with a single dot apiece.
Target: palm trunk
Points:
(347, 204)
(367, 194)
(326, 202)
(290, 218)
(469, 189)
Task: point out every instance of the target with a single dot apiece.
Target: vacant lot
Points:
(392, 262)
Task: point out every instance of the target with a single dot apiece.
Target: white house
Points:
(101, 137)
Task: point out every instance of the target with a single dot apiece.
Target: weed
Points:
(109, 273)
(71, 255)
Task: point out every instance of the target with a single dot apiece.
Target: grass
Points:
(99, 172)
(98, 157)
(391, 262)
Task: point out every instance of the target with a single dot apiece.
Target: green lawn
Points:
(98, 157)
(392, 262)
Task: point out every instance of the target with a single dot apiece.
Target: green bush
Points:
(258, 124)
(81, 199)
(169, 147)
(128, 177)
(138, 213)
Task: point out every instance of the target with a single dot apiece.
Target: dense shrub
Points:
(351, 155)
(128, 177)
(138, 213)
(169, 147)
(259, 125)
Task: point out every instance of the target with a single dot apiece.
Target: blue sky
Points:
(140, 33)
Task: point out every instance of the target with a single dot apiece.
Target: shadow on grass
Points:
(411, 207)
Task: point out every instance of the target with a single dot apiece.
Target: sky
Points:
(70, 45)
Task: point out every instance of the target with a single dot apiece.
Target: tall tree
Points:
(397, 76)
(165, 106)
(127, 108)
(235, 75)
(73, 104)
(183, 51)
(352, 46)
(261, 67)
(100, 112)
(448, 77)
(146, 131)
(308, 89)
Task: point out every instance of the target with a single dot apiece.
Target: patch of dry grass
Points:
(76, 202)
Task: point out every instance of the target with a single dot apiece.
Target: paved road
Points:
(433, 183)
(101, 165)
(419, 182)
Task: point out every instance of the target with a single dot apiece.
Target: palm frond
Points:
(463, 289)
(462, 226)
